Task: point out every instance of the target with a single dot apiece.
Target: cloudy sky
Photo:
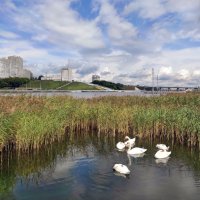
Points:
(120, 40)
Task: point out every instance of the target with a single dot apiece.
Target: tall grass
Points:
(33, 122)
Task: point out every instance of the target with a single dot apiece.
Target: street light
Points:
(40, 84)
(153, 81)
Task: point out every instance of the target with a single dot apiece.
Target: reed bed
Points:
(32, 122)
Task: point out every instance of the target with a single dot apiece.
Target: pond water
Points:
(75, 93)
(80, 167)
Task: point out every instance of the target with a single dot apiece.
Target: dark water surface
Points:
(80, 167)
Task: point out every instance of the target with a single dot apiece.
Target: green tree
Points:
(15, 82)
(114, 86)
(3, 84)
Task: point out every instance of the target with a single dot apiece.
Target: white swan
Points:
(162, 147)
(120, 145)
(123, 169)
(162, 154)
(129, 141)
(135, 150)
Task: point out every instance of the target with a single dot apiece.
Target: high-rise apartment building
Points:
(66, 74)
(3, 68)
(12, 66)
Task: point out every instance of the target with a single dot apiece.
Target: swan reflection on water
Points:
(121, 150)
(134, 156)
(162, 160)
(122, 175)
(137, 155)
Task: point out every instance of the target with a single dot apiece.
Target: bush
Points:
(114, 86)
(13, 82)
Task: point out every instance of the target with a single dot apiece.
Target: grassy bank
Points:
(32, 122)
(79, 86)
(57, 85)
(43, 84)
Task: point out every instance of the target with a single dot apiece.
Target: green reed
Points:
(33, 122)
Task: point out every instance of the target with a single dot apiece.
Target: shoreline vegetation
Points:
(28, 123)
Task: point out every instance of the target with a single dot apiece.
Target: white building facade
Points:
(12, 66)
(53, 77)
(66, 74)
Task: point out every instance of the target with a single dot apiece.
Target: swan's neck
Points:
(129, 147)
(128, 137)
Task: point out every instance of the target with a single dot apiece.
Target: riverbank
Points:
(32, 122)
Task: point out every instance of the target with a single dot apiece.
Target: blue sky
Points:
(120, 40)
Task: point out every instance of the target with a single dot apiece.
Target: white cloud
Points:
(196, 73)
(7, 5)
(165, 70)
(67, 28)
(120, 31)
(183, 74)
(185, 14)
(8, 34)
(194, 34)
(22, 48)
(189, 10)
(146, 9)
(56, 22)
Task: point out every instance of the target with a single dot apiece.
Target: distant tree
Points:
(15, 82)
(114, 86)
(3, 84)
(40, 77)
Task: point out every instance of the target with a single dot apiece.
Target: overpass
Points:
(167, 88)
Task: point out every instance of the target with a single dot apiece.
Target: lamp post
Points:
(153, 81)
(40, 84)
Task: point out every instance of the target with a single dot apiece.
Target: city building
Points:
(66, 74)
(3, 70)
(12, 66)
(95, 78)
(26, 73)
(53, 77)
